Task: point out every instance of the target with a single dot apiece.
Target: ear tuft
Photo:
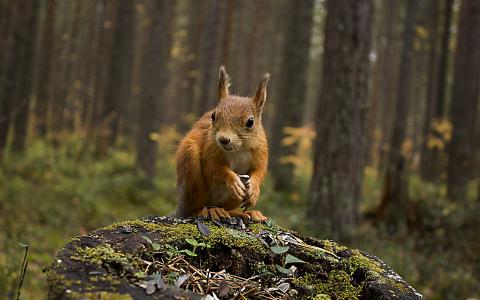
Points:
(261, 93)
(223, 83)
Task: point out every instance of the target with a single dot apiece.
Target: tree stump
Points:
(167, 258)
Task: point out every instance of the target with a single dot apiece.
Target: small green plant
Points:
(195, 245)
(289, 259)
(171, 277)
(171, 251)
(155, 246)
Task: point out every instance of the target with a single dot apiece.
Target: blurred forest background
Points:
(372, 117)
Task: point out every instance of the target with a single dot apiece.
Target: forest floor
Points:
(49, 195)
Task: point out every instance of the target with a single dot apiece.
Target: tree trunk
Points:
(431, 165)
(292, 89)
(10, 71)
(44, 70)
(432, 81)
(465, 98)
(211, 54)
(25, 79)
(394, 198)
(157, 50)
(389, 77)
(118, 85)
(340, 144)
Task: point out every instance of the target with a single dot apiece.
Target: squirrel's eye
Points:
(250, 122)
(213, 116)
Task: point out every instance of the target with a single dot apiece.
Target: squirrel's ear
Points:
(223, 83)
(261, 93)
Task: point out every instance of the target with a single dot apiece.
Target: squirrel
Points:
(225, 142)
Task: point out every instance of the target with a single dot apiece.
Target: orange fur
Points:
(207, 170)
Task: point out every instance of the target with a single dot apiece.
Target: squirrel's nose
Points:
(224, 140)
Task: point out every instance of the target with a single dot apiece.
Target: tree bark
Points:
(10, 72)
(25, 79)
(118, 86)
(211, 54)
(340, 145)
(431, 164)
(394, 197)
(157, 50)
(292, 89)
(44, 70)
(389, 78)
(190, 77)
(465, 98)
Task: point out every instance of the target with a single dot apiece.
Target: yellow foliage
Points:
(168, 135)
(441, 134)
(421, 32)
(302, 139)
(370, 171)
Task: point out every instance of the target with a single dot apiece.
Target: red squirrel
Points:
(225, 142)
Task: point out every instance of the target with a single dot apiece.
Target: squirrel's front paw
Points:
(252, 194)
(237, 188)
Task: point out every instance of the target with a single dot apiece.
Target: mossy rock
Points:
(166, 258)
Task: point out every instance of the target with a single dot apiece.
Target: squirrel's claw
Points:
(217, 213)
(238, 189)
(255, 215)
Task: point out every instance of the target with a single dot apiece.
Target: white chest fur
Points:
(240, 161)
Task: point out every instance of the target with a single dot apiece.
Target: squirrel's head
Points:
(236, 120)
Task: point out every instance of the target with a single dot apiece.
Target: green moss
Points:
(103, 253)
(135, 224)
(358, 260)
(332, 246)
(338, 285)
(99, 296)
(322, 297)
(235, 239)
(177, 233)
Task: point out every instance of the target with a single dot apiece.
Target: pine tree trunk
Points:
(394, 198)
(431, 165)
(44, 70)
(10, 71)
(25, 79)
(118, 85)
(340, 146)
(389, 77)
(465, 98)
(292, 89)
(157, 50)
(211, 54)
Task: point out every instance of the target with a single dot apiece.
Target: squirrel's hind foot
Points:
(254, 215)
(214, 213)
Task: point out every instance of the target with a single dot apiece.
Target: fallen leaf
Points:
(150, 287)
(283, 270)
(279, 249)
(290, 259)
(204, 230)
(223, 289)
(181, 280)
(284, 287)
